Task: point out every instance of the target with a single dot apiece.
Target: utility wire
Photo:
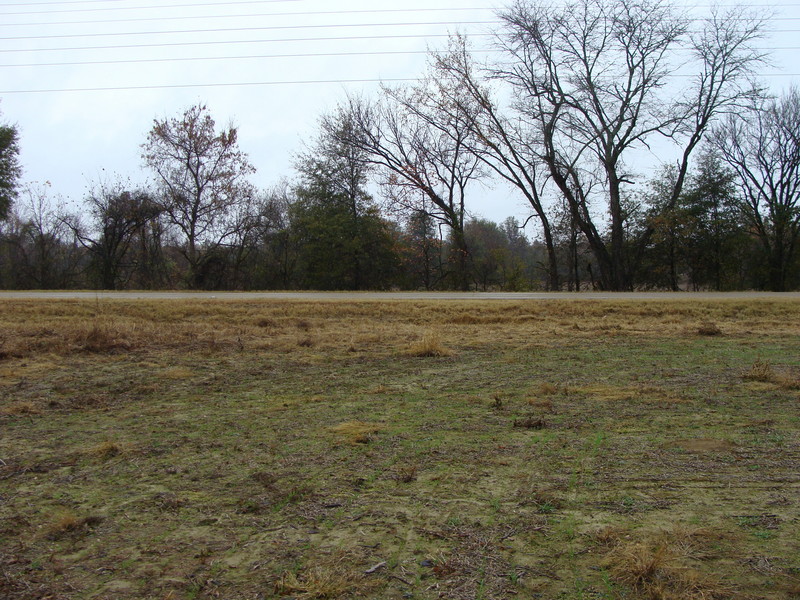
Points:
(240, 29)
(261, 56)
(59, 2)
(29, 4)
(212, 85)
(219, 42)
(244, 57)
(152, 7)
(775, 18)
(265, 83)
(280, 40)
(249, 16)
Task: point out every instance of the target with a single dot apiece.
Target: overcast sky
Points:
(84, 79)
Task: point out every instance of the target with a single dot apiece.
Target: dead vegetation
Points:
(66, 523)
(667, 565)
(429, 345)
(356, 432)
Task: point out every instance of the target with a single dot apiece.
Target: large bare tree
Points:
(763, 147)
(502, 139)
(595, 77)
(591, 90)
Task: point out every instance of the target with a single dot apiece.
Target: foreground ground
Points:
(172, 449)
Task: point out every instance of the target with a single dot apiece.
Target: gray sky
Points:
(84, 79)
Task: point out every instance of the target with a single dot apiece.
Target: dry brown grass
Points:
(106, 450)
(709, 329)
(761, 370)
(229, 459)
(429, 345)
(35, 327)
(356, 432)
(21, 409)
(664, 565)
(317, 583)
(66, 523)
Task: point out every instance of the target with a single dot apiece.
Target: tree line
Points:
(572, 117)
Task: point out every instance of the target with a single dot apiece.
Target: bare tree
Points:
(593, 76)
(421, 154)
(502, 139)
(117, 216)
(763, 147)
(202, 175)
(47, 250)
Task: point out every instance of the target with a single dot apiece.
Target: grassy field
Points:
(407, 449)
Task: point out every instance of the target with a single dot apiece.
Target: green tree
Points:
(338, 251)
(342, 240)
(699, 240)
(10, 169)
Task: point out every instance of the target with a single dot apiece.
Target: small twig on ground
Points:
(374, 568)
(408, 583)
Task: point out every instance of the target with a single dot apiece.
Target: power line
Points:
(65, 2)
(278, 14)
(249, 16)
(211, 85)
(61, 2)
(205, 58)
(264, 83)
(775, 18)
(219, 42)
(155, 7)
(269, 41)
(263, 56)
(240, 29)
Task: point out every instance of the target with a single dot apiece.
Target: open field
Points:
(178, 449)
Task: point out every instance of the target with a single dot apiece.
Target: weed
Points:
(787, 382)
(169, 501)
(430, 345)
(406, 474)
(316, 583)
(546, 389)
(543, 404)
(306, 342)
(660, 566)
(106, 450)
(545, 501)
(101, 337)
(356, 432)
(530, 422)
(66, 523)
(709, 329)
(268, 480)
(21, 409)
(759, 371)
(497, 402)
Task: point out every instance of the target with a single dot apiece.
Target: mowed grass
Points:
(404, 449)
